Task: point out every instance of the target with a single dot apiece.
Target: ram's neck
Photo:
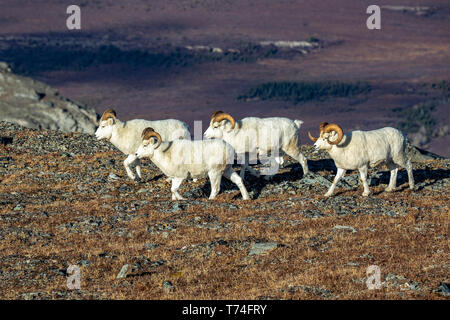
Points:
(347, 154)
(120, 137)
(334, 152)
(161, 157)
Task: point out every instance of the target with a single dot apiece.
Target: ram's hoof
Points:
(177, 197)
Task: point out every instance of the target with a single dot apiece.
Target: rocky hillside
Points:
(65, 200)
(35, 105)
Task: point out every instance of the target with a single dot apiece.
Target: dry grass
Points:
(312, 261)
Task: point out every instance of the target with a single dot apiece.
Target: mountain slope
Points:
(65, 200)
(36, 105)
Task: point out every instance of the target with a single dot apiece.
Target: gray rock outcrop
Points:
(36, 105)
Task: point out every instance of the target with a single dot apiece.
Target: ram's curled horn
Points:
(149, 133)
(225, 116)
(216, 113)
(311, 137)
(322, 126)
(146, 132)
(109, 113)
(334, 127)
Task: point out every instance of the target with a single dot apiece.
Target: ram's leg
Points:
(293, 150)
(253, 171)
(393, 178)
(279, 160)
(301, 158)
(242, 160)
(233, 176)
(340, 173)
(363, 175)
(406, 163)
(138, 169)
(176, 182)
(410, 174)
(127, 163)
(242, 173)
(214, 178)
(271, 165)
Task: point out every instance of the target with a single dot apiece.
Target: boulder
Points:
(36, 105)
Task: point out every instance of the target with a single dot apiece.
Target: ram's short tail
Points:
(298, 123)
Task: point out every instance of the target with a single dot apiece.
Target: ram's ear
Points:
(153, 140)
(110, 121)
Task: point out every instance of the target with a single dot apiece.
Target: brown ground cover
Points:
(60, 206)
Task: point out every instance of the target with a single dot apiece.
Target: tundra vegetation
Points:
(59, 206)
(303, 91)
(421, 121)
(31, 59)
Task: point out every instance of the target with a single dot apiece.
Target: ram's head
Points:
(330, 134)
(220, 122)
(105, 128)
(151, 140)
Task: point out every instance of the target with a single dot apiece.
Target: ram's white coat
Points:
(126, 136)
(261, 136)
(179, 159)
(363, 149)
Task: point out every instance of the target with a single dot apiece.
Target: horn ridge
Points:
(109, 113)
(146, 132)
(216, 113)
(323, 125)
(149, 133)
(225, 116)
(311, 137)
(334, 127)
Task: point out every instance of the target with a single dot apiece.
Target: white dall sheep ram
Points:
(126, 136)
(361, 149)
(180, 158)
(258, 136)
